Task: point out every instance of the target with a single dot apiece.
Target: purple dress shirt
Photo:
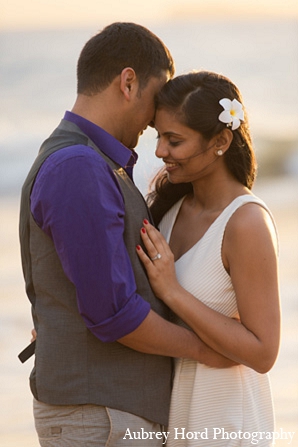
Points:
(77, 202)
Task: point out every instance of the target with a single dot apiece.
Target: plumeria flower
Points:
(232, 114)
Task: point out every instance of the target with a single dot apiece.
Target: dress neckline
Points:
(176, 212)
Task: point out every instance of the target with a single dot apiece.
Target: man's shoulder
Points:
(74, 151)
(76, 156)
(75, 161)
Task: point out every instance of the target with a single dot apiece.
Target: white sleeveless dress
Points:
(224, 405)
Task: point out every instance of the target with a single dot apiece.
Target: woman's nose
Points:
(161, 150)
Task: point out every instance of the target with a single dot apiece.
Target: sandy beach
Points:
(16, 425)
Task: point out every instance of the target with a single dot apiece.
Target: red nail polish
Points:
(138, 247)
(145, 221)
(143, 230)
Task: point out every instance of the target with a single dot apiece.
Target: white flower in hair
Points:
(232, 114)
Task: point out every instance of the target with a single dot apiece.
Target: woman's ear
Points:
(128, 80)
(223, 141)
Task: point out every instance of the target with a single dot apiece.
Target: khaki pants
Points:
(92, 426)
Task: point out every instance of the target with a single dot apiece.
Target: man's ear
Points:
(223, 141)
(128, 81)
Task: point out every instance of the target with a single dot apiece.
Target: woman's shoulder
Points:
(251, 220)
(248, 210)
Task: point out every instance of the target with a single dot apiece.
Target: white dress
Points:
(226, 406)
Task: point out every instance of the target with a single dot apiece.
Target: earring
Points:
(219, 152)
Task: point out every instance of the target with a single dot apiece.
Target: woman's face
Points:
(186, 153)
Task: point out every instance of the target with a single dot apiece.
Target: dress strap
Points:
(243, 200)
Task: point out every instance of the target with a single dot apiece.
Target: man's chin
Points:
(133, 145)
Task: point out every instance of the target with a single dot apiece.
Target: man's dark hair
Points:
(116, 47)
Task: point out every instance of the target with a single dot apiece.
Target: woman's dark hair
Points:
(194, 97)
(116, 47)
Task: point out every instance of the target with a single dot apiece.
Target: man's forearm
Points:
(158, 336)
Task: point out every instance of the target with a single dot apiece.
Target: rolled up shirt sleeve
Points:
(77, 201)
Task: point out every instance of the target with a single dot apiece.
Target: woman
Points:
(219, 273)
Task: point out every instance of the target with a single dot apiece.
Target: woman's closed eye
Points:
(174, 143)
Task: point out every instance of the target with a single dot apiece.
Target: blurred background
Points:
(254, 42)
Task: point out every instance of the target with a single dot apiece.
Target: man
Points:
(104, 347)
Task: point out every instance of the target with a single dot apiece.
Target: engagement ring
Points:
(158, 256)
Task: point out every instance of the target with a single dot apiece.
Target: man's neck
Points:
(98, 110)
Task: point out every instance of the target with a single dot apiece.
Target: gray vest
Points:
(72, 366)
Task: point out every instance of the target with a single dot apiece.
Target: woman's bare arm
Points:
(249, 255)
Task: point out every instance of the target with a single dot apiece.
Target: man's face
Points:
(142, 110)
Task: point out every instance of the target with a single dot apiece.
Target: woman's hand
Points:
(34, 335)
(158, 262)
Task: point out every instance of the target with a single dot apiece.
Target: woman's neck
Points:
(216, 195)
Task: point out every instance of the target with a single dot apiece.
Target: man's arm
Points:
(76, 201)
(158, 336)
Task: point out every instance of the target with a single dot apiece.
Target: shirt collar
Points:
(108, 144)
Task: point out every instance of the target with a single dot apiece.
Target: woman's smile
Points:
(170, 165)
